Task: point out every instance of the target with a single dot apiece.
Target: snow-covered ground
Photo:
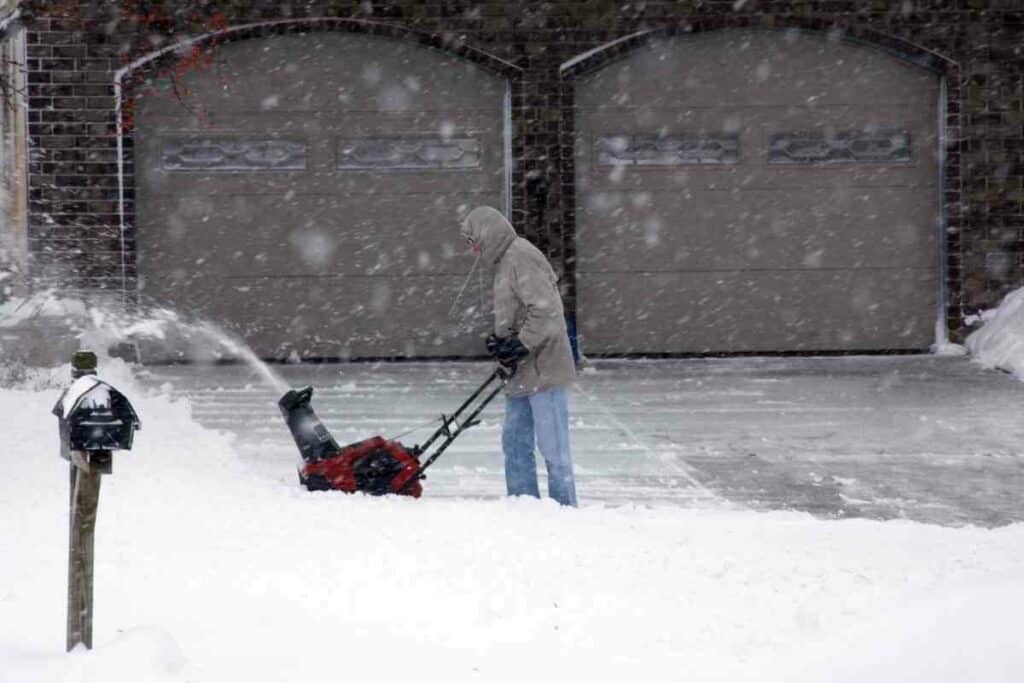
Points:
(213, 565)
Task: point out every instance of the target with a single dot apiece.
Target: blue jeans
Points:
(546, 416)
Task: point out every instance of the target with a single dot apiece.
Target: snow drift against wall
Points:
(1000, 341)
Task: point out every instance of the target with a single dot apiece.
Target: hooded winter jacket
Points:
(526, 302)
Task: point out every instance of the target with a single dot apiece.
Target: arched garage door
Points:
(757, 191)
(306, 192)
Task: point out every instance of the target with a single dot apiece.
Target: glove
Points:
(506, 350)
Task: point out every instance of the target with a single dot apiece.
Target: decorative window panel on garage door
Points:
(409, 153)
(307, 194)
(757, 191)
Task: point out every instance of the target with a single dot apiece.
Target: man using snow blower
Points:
(530, 334)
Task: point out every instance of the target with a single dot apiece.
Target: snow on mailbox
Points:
(94, 416)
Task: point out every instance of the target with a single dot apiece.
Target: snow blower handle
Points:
(502, 374)
(504, 371)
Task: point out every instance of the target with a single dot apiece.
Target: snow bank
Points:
(206, 572)
(1000, 341)
(970, 633)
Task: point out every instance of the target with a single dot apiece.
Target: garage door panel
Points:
(340, 124)
(309, 236)
(703, 70)
(726, 178)
(752, 312)
(757, 229)
(359, 183)
(340, 72)
(721, 178)
(279, 315)
(746, 120)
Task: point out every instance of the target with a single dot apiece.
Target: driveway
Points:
(933, 439)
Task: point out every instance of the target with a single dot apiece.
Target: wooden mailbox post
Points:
(94, 419)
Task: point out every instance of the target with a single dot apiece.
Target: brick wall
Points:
(76, 46)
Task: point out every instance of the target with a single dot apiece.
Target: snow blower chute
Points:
(376, 465)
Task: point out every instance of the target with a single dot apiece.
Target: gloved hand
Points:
(506, 350)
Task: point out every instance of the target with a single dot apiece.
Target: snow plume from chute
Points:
(144, 334)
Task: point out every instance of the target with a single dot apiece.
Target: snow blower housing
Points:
(376, 465)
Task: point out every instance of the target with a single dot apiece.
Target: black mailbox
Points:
(95, 416)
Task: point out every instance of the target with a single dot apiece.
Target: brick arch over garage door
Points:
(757, 191)
(306, 193)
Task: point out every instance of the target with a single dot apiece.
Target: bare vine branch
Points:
(9, 91)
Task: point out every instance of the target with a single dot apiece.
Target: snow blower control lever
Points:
(376, 465)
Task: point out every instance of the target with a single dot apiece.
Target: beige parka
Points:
(526, 302)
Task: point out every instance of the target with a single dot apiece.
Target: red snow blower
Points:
(377, 465)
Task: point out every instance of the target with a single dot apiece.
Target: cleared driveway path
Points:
(934, 439)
